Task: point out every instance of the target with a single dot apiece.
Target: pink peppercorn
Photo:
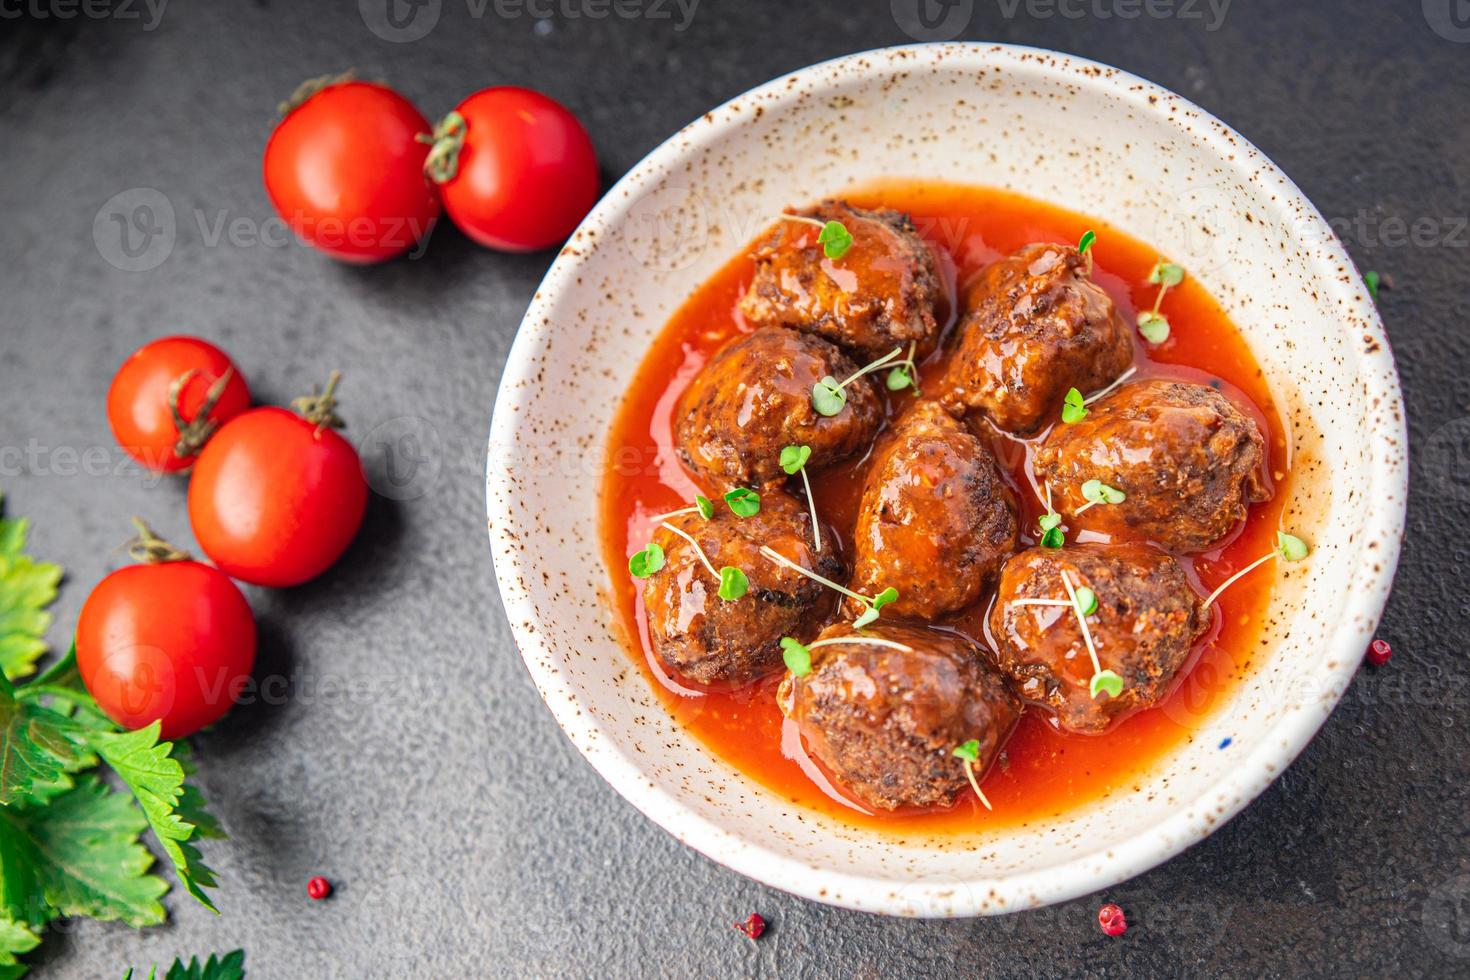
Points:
(1111, 918)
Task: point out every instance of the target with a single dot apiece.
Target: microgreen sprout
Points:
(793, 461)
(1074, 409)
(1372, 280)
(1084, 244)
(703, 506)
(798, 657)
(733, 583)
(969, 754)
(1052, 535)
(743, 502)
(873, 603)
(644, 563)
(834, 237)
(1102, 680)
(828, 397)
(906, 374)
(1289, 547)
(1151, 323)
(1110, 388)
(1097, 492)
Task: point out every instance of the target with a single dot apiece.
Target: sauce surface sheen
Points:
(1042, 773)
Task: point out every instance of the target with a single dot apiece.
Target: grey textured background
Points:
(465, 835)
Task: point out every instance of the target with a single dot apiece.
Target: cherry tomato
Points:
(171, 642)
(138, 403)
(515, 169)
(346, 172)
(276, 498)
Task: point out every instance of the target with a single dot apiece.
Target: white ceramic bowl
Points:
(1067, 131)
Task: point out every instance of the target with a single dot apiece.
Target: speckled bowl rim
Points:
(1383, 518)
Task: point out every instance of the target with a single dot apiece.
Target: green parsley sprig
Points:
(231, 966)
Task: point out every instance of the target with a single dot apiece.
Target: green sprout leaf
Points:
(1087, 599)
(899, 378)
(743, 502)
(885, 597)
(793, 458)
(1290, 547)
(733, 583)
(834, 239)
(1166, 274)
(1098, 492)
(828, 398)
(1107, 681)
(705, 505)
(1053, 538)
(969, 751)
(1153, 326)
(869, 617)
(1085, 243)
(1049, 522)
(644, 563)
(1372, 280)
(797, 657)
(1074, 409)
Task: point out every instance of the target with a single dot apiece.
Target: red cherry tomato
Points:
(519, 174)
(275, 499)
(346, 172)
(138, 402)
(171, 642)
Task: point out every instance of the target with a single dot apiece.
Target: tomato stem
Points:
(318, 409)
(150, 548)
(195, 433)
(311, 87)
(447, 140)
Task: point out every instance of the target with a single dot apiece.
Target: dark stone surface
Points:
(465, 835)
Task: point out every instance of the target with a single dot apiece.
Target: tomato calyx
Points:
(193, 434)
(318, 408)
(447, 140)
(311, 87)
(150, 549)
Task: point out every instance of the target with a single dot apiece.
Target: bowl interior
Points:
(1069, 132)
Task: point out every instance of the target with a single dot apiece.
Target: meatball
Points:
(880, 295)
(1146, 621)
(1035, 326)
(754, 397)
(706, 639)
(935, 520)
(1189, 462)
(885, 720)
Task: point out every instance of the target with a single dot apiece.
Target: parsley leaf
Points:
(174, 811)
(39, 749)
(15, 940)
(27, 587)
(229, 967)
(78, 855)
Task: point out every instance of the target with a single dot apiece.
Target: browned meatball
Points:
(1189, 462)
(878, 296)
(707, 639)
(754, 397)
(886, 721)
(935, 521)
(1035, 326)
(1147, 619)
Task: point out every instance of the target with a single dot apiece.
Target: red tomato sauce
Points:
(1043, 772)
